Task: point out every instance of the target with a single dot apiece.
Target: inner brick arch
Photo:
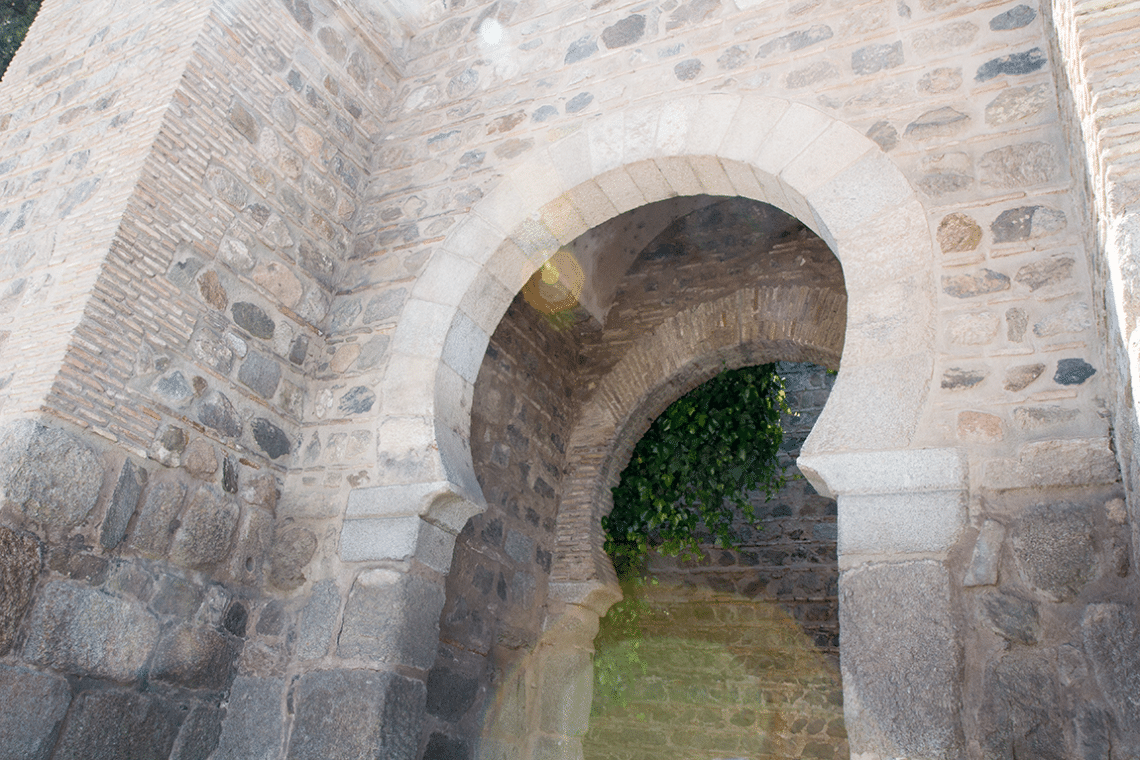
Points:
(794, 157)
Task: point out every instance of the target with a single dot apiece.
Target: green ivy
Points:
(15, 18)
(686, 481)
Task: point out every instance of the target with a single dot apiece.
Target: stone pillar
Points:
(900, 512)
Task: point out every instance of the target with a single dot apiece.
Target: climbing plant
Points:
(687, 481)
(15, 18)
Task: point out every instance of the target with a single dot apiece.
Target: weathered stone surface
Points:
(795, 41)
(1073, 372)
(1075, 317)
(299, 349)
(356, 713)
(900, 660)
(158, 518)
(1016, 323)
(123, 502)
(111, 725)
(198, 735)
(176, 596)
(940, 80)
(318, 621)
(983, 567)
(579, 50)
(391, 617)
(450, 693)
(820, 71)
(625, 32)
(212, 290)
(974, 284)
(212, 349)
(733, 58)
(1112, 644)
(579, 102)
(1011, 616)
(442, 747)
(1027, 222)
(979, 426)
(173, 389)
(1036, 417)
(1046, 272)
(973, 329)
(197, 658)
(1017, 103)
(293, 547)
(252, 729)
(200, 459)
(226, 186)
(874, 58)
(957, 379)
(1019, 377)
(1014, 18)
(270, 438)
(80, 630)
(278, 280)
(253, 319)
(941, 122)
(687, 70)
(242, 120)
(1054, 548)
(1022, 165)
(34, 705)
(1022, 714)
(944, 39)
(946, 173)
(215, 411)
(20, 563)
(206, 533)
(884, 134)
(261, 374)
(1014, 65)
(47, 476)
(958, 233)
(358, 400)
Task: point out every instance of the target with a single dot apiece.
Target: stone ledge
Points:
(886, 472)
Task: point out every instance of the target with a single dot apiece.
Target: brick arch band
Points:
(794, 157)
(752, 326)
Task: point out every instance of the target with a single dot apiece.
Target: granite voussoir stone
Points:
(196, 658)
(1055, 551)
(206, 532)
(47, 476)
(216, 411)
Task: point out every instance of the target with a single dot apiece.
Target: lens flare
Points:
(557, 284)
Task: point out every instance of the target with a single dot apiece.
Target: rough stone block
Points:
(158, 518)
(1022, 715)
(318, 621)
(928, 521)
(293, 548)
(80, 630)
(253, 723)
(204, 537)
(20, 562)
(450, 693)
(47, 476)
(199, 734)
(34, 704)
(356, 713)
(1055, 551)
(1011, 616)
(197, 658)
(111, 725)
(901, 661)
(1112, 643)
(123, 503)
(983, 567)
(393, 618)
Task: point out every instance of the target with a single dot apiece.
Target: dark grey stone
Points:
(299, 349)
(941, 122)
(357, 714)
(795, 41)
(733, 58)
(293, 547)
(442, 747)
(197, 658)
(184, 271)
(1014, 18)
(199, 734)
(173, 388)
(236, 618)
(392, 617)
(270, 438)
(1073, 371)
(242, 120)
(687, 70)
(875, 58)
(1015, 64)
(579, 102)
(344, 314)
(158, 518)
(1011, 616)
(386, 305)
(215, 411)
(34, 704)
(253, 319)
(541, 114)
(974, 284)
(1027, 222)
(78, 195)
(625, 32)
(318, 621)
(450, 694)
(1094, 733)
(271, 621)
(252, 726)
(1112, 644)
(116, 725)
(1054, 548)
(176, 596)
(261, 374)
(47, 476)
(206, 532)
(229, 475)
(901, 660)
(358, 400)
(519, 546)
(884, 134)
(123, 502)
(1021, 715)
(301, 12)
(580, 50)
(21, 558)
(77, 629)
(1049, 271)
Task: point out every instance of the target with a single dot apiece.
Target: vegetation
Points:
(16, 16)
(687, 480)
